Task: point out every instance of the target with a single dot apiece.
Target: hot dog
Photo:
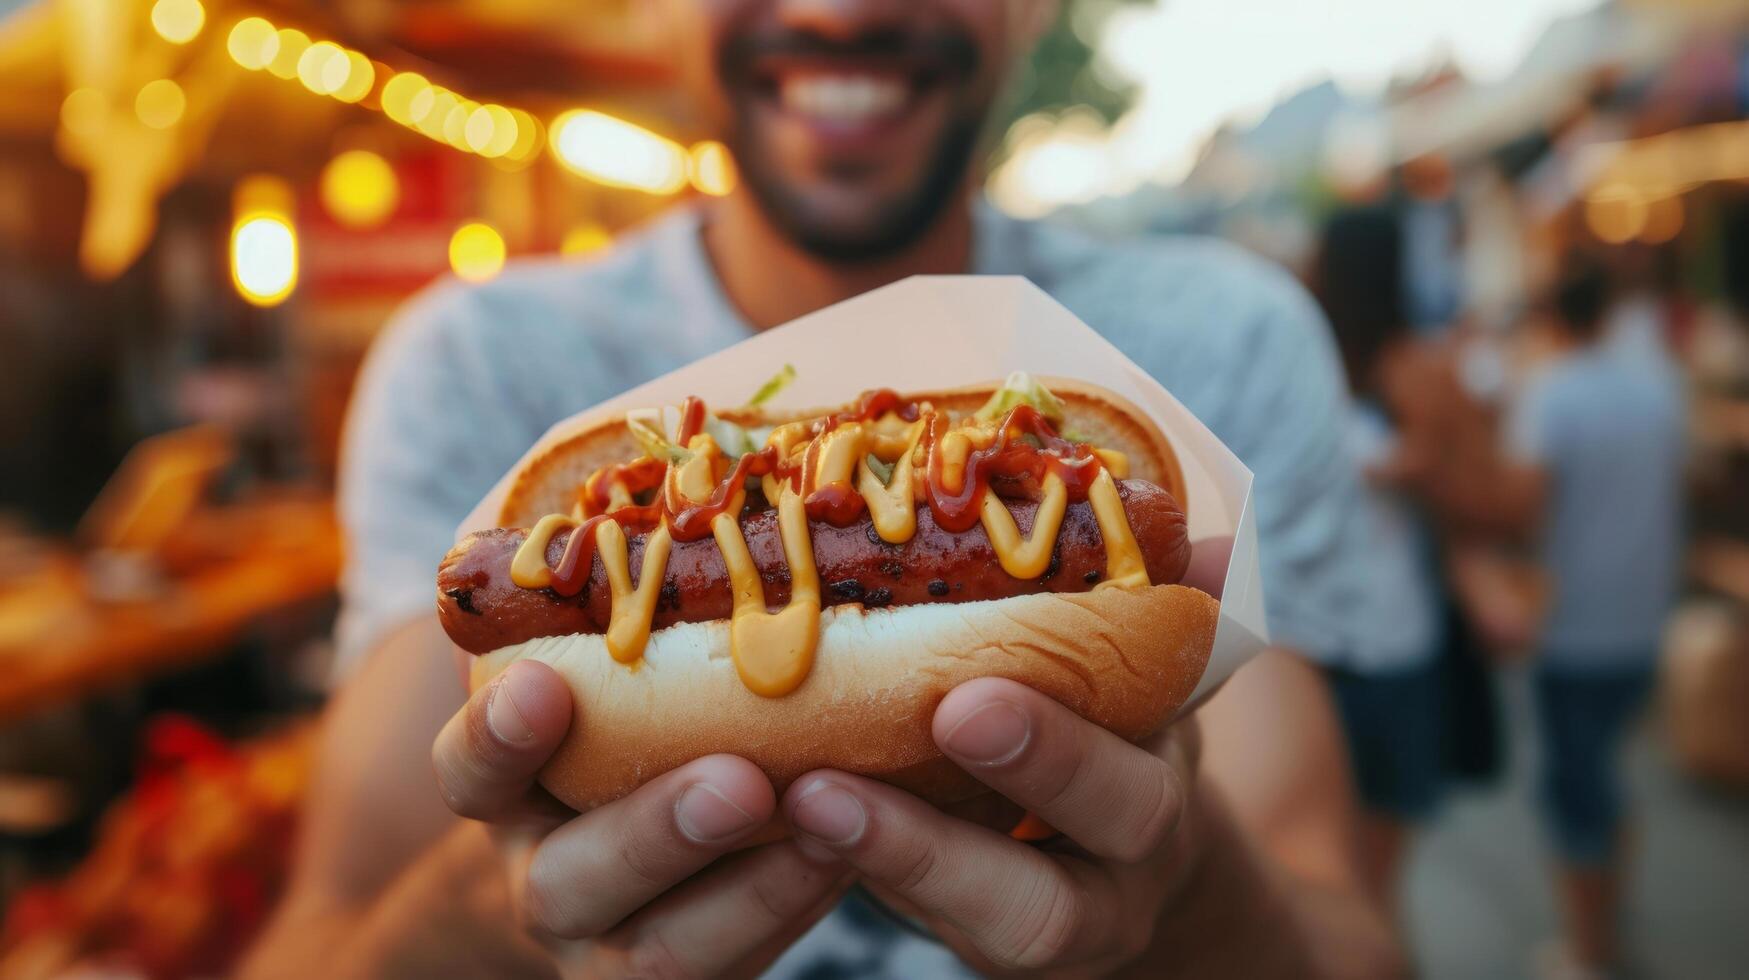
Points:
(483, 610)
(803, 589)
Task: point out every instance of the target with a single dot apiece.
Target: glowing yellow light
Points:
(477, 129)
(710, 168)
(264, 259)
(160, 104)
(322, 63)
(178, 21)
(85, 112)
(360, 189)
(292, 45)
(615, 152)
(432, 120)
(253, 43)
(504, 134)
(585, 239)
(455, 123)
(528, 137)
(1615, 214)
(361, 76)
(420, 105)
(1664, 220)
(476, 252)
(398, 95)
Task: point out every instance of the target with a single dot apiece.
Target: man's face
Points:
(852, 121)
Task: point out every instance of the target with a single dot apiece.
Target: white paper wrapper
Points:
(973, 328)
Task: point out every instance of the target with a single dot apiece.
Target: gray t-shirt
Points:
(1607, 424)
(467, 377)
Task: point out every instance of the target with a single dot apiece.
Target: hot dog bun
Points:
(1126, 659)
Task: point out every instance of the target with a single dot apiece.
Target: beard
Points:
(886, 226)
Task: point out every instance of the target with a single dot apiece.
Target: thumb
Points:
(488, 753)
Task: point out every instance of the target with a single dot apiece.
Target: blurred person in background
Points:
(1389, 687)
(1222, 848)
(1591, 473)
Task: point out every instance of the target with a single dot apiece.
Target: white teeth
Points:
(842, 98)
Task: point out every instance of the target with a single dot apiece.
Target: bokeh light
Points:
(360, 189)
(618, 153)
(322, 67)
(84, 112)
(160, 104)
(264, 259)
(361, 77)
(178, 21)
(291, 47)
(253, 43)
(398, 95)
(710, 168)
(476, 251)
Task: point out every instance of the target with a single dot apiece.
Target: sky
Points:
(1199, 63)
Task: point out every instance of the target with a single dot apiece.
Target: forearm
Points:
(1241, 913)
(448, 914)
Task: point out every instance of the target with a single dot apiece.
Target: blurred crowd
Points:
(1525, 376)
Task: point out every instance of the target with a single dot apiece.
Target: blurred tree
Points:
(1063, 72)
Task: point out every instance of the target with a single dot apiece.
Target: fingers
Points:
(487, 754)
(1114, 799)
(735, 917)
(604, 865)
(1017, 905)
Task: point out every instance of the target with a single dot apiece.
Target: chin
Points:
(855, 225)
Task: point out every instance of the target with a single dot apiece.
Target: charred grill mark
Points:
(850, 590)
(877, 598)
(892, 569)
(937, 587)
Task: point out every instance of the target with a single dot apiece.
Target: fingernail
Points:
(502, 714)
(994, 733)
(829, 814)
(706, 816)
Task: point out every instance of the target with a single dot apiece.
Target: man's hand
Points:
(1090, 901)
(633, 887)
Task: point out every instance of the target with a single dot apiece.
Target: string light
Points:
(615, 152)
(399, 93)
(253, 43)
(314, 67)
(361, 77)
(360, 189)
(160, 104)
(292, 45)
(593, 144)
(476, 251)
(178, 21)
(710, 168)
